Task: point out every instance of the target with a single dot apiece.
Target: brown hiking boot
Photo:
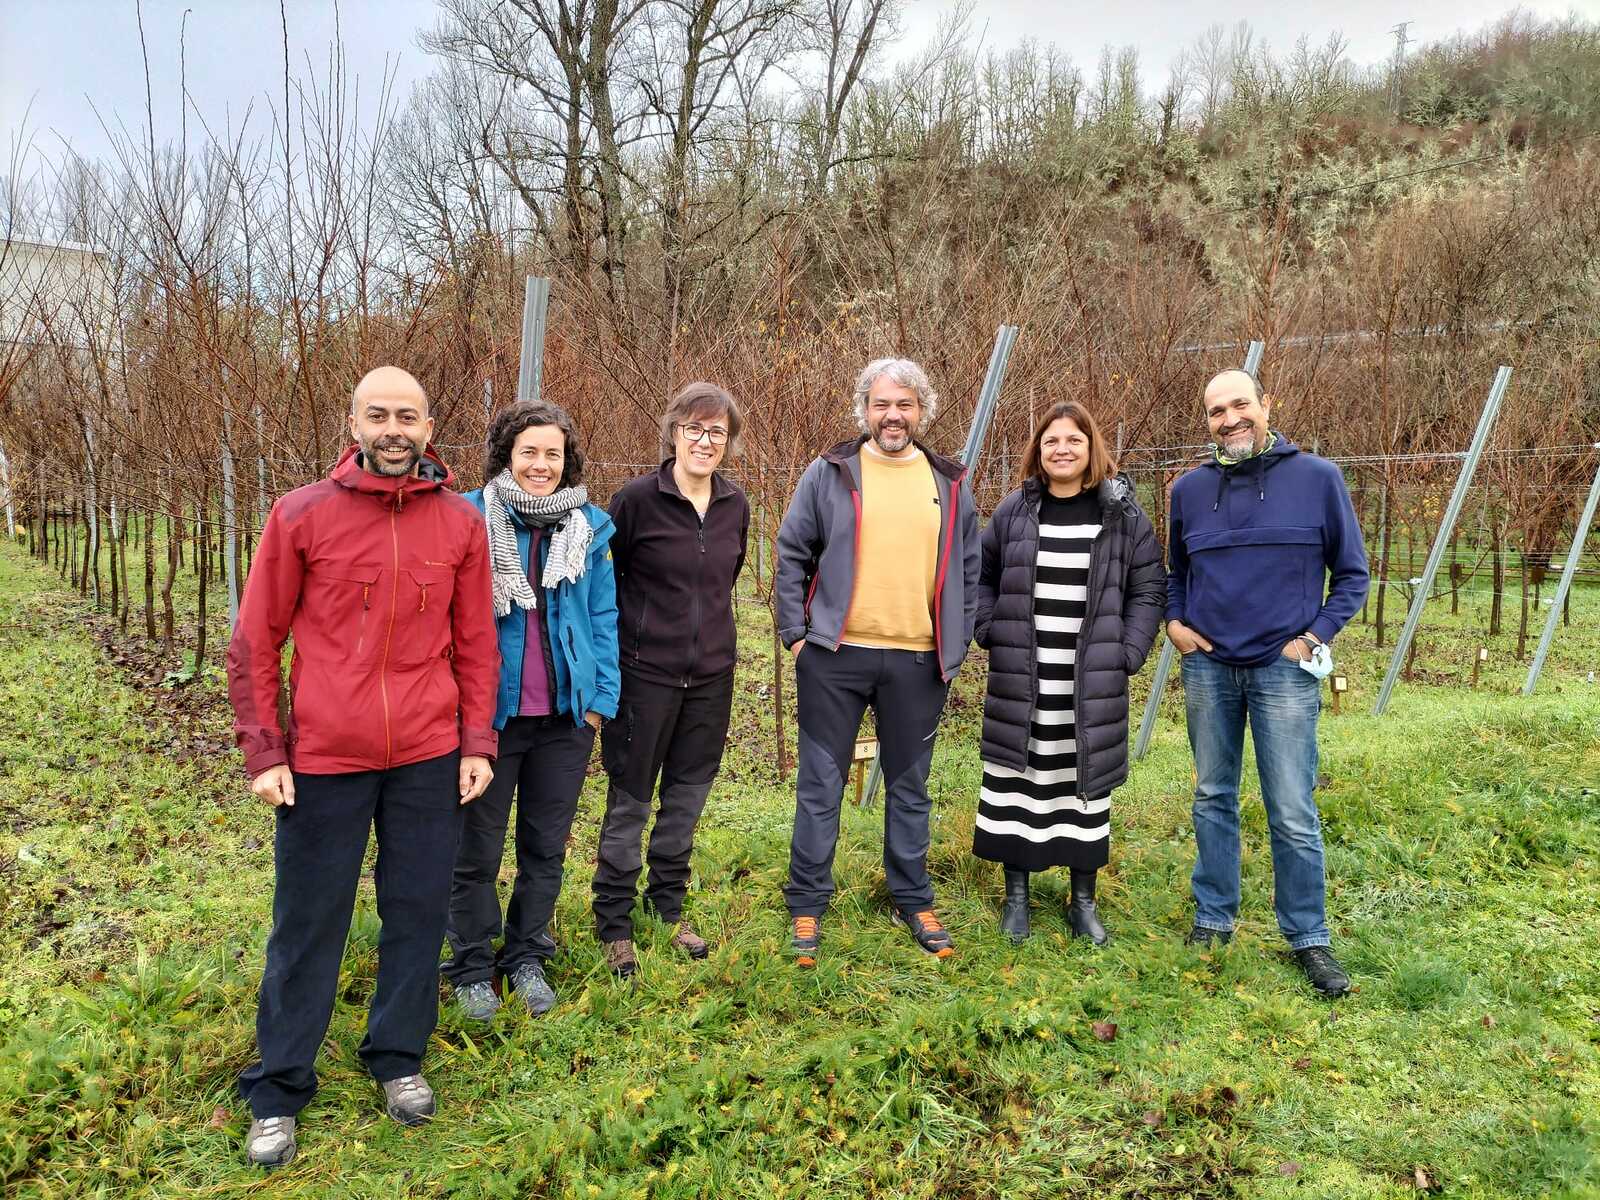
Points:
(930, 935)
(691, 943)
(619, 957)
(805, 935)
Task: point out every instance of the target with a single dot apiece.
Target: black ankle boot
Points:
(1014, 916)
(1082, 918)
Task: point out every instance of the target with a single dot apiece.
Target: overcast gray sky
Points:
(70, 58)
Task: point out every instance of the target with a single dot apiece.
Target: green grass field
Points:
(1463, 832)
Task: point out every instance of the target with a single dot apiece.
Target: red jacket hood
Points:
(432, 473)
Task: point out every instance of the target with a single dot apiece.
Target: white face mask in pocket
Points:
(1320, 664)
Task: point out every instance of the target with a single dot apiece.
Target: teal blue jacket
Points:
(581, 620)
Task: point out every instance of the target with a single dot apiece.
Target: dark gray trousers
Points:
(907, 698)
(675, 733)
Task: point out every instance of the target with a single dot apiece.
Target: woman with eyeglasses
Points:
(678, 548)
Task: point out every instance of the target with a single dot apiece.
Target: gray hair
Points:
(908, 375)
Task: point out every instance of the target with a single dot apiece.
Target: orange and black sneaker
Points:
(805, 934)
(930, 935)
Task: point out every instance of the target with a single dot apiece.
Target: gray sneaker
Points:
(529, 983)
(408, 1099)
(270, 1142)
(478, 1001)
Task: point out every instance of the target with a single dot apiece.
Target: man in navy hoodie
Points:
(1266, 564)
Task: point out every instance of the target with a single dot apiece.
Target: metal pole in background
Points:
(530, 366)
(982, 415)
(5, 486)
(1441, 541)
(1578, 539)
(1158, 682)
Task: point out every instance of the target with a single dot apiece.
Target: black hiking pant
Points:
(675, 733)
(541, 765)
(317, 850)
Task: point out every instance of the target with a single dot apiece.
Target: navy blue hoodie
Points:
(1251, 547)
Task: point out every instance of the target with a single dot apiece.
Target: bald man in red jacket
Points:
(380, 573)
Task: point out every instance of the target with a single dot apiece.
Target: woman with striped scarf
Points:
(555, 604)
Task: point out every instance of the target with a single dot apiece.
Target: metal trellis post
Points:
(1158, 682)
(1578, 539)
(1441, 541)
(530, 366)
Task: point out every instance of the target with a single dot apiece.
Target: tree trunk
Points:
(1499, 573)
(1455, 573)
(1522, 623)
(174, 558)
(203, 553)
(149, 575)
(1386, 520)
(778, 653)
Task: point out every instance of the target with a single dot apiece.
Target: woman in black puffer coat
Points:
(1070, 595)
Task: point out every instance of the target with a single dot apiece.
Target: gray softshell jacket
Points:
(819, 540)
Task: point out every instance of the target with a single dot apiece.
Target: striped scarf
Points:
(569, 545)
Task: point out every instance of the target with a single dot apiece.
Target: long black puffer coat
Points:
(1127, 594)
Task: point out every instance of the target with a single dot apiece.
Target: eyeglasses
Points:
(694, 431)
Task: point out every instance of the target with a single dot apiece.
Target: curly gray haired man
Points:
(876, 592)
(904, 374)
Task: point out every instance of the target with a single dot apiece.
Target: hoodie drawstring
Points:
(1261, 481)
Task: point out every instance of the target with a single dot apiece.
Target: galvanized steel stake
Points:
(1441, 541)
(530, 367)
(1560, 597)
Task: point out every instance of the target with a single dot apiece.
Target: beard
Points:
(382, 466)
(1237, 445)
(892, 439)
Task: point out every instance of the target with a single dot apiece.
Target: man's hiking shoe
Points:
(1323, 970)
(1207, 938)
(477, 1001)
(270, 1142)
(619, 957)
(408, 1099)
(930, 935)
(805, 935)
(532, 988)
(691, 943)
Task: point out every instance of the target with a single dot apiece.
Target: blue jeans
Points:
(1282, 703)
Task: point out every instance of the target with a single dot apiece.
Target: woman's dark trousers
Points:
(541, 764)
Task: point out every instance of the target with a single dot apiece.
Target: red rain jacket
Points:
(384, 584)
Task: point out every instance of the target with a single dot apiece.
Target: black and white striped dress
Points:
(1035, 818)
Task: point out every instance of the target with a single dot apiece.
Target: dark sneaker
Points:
(408, 1099)
(1323, 970)
(691, 943)
(805, 935)
(619, 957)
(930, 935)
(270, 1142)
(1207, 938)
(477, 1001)
(532, 988)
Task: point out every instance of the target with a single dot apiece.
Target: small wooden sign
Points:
(866, 750)
(1340, 684)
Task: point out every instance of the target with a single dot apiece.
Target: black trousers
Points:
(907, 697)
(541, 763)
(318, 850)
(677, 734)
